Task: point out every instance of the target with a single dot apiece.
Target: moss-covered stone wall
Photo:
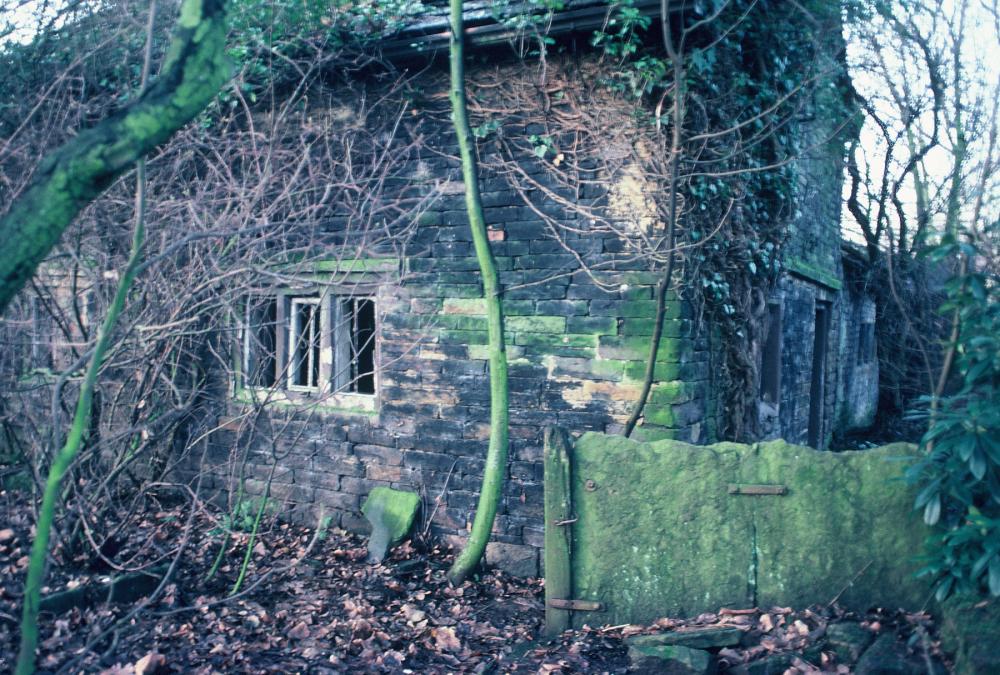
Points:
(659, 531)
(577, 348)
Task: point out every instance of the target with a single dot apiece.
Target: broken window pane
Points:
(260, 342)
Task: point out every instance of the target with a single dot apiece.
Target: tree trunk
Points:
(496, 455)
(72, 176)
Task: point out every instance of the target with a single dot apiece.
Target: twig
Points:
(850, 583)
(437, 501)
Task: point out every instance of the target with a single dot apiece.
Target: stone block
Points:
(970, 630)
(705, 637)
(391, 514)
(536, 324)
(548, 342)
(338, 500)
(887, 656)
(516, 560)
(842, 514)
(382, 454)
(670, 660)
(848, 640)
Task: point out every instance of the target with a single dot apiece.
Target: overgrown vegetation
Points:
(720, 99)
(923, 195)
(961, 471)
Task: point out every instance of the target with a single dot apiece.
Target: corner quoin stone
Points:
(391, 514)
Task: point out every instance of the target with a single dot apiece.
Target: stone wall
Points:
(671, 529)
(857, 394)
(576, 350)
(576, 354)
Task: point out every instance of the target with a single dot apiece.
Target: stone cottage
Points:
(380, 377)
(371, 370)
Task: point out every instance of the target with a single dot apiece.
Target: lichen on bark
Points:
(72, 176)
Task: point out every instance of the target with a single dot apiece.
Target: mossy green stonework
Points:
(659, 533)
(970, 631)
(391, 514)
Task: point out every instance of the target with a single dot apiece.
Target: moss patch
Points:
(659, 533)
(391, 514)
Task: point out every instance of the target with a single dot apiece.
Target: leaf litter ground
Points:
(315, 605)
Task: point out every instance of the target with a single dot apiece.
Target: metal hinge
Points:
(576, 605)
(737, 489)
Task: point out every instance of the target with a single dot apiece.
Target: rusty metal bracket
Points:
(576, 605)
(737, 489)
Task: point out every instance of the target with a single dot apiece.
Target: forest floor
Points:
(315, 605)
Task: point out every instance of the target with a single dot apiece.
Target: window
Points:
(770, 368)
(304, 340)
(310, 345)
(866, 343)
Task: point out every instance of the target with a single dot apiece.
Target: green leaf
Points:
(977, 464)
(944, 588)
(932, 512)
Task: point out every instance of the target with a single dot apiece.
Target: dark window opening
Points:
(770, 368)
(260, 343)
(310, 344)
(361, 314)
(817, 387)
(866, 343)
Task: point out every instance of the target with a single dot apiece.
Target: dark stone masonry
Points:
(353, 371)
(576, 352)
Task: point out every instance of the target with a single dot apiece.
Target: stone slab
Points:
(658, 533)
(391, 514)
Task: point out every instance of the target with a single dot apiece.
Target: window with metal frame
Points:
(309, 344)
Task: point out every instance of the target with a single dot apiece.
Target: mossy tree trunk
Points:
(496, 454)
(71, 177)
(75, 174)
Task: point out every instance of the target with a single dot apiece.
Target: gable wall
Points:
(577, 356)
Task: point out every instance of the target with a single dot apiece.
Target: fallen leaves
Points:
(445, 639)
(150, 664)
(336, 613)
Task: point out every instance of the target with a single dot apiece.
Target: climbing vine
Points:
(739, 82)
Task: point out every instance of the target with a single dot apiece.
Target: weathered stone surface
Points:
(847, 524)
(775, 664)
(887, 656)
(670, 660)
(848, 640)
(391, 514)
(970, 630)
(520, 561)
(659, 534)
(709, 637)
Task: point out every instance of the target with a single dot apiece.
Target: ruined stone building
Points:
(374, 367)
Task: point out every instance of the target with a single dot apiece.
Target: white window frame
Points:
(292, 357)
(334, 355)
